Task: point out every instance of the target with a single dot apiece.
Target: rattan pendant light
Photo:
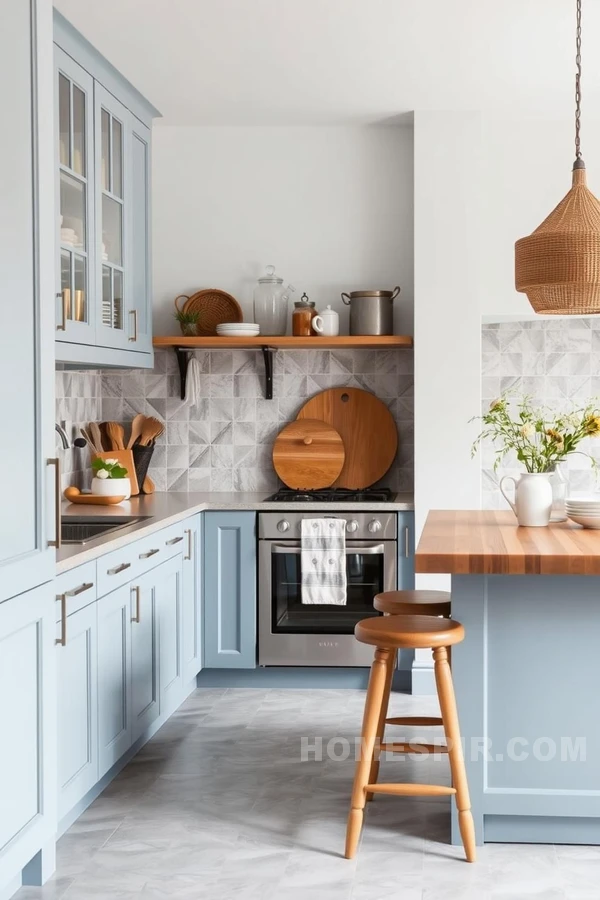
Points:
(558, 266)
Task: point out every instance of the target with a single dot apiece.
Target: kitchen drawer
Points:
(80, 587)
(118, 567)
(172, 541)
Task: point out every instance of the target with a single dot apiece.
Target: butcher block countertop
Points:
(489, 542)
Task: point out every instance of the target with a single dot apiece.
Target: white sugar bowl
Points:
(327, 323)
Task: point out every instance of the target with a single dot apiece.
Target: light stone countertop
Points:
(167, 508)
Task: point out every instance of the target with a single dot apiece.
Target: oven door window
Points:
(365, 578)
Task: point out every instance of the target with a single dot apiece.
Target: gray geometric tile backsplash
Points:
(556, 362)
(78, 397)
(224, 442)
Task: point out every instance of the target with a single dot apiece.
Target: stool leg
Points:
(373, 703)
(374, 773)
(445, 690)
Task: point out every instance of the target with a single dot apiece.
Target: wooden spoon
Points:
(136, 430)
(96, 437)
(88, 438)
(148, 486)
(151, 429)
(115, 434)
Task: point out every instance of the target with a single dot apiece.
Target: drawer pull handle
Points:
(118, 569)
(406, 542)
(188, 531)
(176, 540)
(62, 640)
(133, 312)
(55, 461)
(149, 553)
(138, 602)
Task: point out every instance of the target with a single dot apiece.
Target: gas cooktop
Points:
(332, 495)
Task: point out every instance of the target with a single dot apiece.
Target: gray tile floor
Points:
(219, 805)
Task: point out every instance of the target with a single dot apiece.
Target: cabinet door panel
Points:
(140, 289)
(77, 709)
(74, 144)
(230, 590)
(192, 600)
(28, 745)
(144, 653)
(169, 589)
(406, 551)
(26, 320)
(114, 667)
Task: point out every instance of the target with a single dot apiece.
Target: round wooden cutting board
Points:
(308, 454)
(367, 429)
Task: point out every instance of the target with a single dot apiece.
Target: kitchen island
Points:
(527, 674)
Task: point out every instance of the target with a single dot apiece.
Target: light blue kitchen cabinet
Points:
(27, 481)
(192, 599)
(28, 745)
(145, 691)
(170, 607)
(77, 707)
(103, 137)
(114, 677)
(406, 550)
(230, 590)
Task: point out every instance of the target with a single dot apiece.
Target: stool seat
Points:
(415, 632)
(406, 603)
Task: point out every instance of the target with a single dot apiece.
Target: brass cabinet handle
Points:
(406, 541)
(55, 461)
(118, 569)
(133, 312)
(79, 590)
(188, 531)
(149, 553)
(63, 298)
(176, 540)
(138, 604)
(62, 640)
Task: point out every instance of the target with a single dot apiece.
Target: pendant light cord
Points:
(578, 86)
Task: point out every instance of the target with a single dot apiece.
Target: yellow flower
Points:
(592, 425)
(496, 404)
(555, 436)
(528, 430)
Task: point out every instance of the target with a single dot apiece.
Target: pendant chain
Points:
(578, 84)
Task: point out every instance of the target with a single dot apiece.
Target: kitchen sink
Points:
(81, 529)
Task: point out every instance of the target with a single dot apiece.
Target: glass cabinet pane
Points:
(64, 120)
(117, 159)
(117, 299)
(72, 211)
(112, 230)
(65, 281)
(78, 164)
(79, 300)
(107, 296)
(105, 151)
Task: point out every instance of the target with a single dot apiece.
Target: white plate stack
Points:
(584, 510)
(238, 329)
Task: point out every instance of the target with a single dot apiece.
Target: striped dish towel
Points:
(323, 561)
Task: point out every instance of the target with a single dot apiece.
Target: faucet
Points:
(63, 436)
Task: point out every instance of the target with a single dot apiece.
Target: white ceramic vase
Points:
(112, 487)
(533, 498)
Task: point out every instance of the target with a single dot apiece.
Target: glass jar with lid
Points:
(271, 303)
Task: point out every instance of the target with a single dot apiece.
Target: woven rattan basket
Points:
(558, 266)
(214, 308)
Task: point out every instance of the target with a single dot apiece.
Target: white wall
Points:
(331, 208)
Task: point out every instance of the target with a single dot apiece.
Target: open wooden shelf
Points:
(184, 347)
(287, 342)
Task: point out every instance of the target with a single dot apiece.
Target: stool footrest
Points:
(411, 790)
(414, 720)
(414, 748)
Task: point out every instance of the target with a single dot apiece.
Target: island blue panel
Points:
(526, 681)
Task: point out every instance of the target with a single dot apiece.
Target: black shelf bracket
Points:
(184, 354)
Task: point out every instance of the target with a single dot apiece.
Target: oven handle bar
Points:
(361, 549)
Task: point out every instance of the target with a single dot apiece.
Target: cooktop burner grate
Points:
(332, 495)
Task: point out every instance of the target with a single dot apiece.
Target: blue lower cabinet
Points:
(169, 589)
(230, 590)
(406, 550)
(114, 677)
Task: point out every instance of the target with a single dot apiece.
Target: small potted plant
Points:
(110, 479)
(188, 322)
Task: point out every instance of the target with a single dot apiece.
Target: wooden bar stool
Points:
(405, 603)
(389, 634)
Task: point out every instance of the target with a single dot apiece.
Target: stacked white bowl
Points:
(238, 329)
(584, 510)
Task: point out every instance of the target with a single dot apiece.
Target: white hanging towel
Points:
(323, 561)
(193, 391)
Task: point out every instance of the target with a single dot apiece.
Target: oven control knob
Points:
(374, 526)
(352, 526)
(283, 525)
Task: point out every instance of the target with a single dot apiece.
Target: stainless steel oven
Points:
(294, 634)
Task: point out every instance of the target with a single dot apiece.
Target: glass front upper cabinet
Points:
(75, 200)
